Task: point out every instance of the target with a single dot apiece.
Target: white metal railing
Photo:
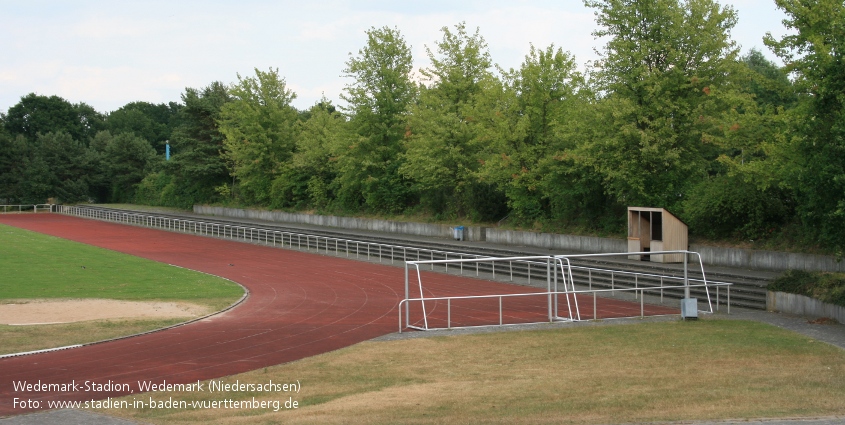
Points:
(26, 208)
(503, 267)
(281, 238)
(562, 262)
(404, 305)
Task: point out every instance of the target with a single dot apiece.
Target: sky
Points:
(107, 53)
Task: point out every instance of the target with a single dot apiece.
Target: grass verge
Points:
(707, 369)
(37, 266)
(18, 339)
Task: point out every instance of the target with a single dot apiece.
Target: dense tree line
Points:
(670, 115)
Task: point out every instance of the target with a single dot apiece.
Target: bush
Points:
(825, 287)
(728, 206)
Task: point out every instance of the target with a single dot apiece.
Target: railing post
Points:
(448, 313)
(686, 277)
(500, 310)
(549, 286)
(642, 306)
(407, 295)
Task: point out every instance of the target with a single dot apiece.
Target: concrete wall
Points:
(767, 260)
(474, 233)
(556, 241)
(803, 306)
(712, 256)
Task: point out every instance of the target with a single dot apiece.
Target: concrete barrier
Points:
(556, 242)
(803, 306)
(767, 260)
(711, 256)
(471, 233)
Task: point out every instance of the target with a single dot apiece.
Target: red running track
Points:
(300, 304)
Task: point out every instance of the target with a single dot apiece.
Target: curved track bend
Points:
(300, 305)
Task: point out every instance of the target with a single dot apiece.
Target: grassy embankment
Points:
(41, 267)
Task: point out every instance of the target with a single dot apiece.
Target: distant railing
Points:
(282, 238)
(26, 208)
(496, 268)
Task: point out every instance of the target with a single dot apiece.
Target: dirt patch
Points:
(823, 321)
(35, 312)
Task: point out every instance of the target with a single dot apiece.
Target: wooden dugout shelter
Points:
(655, 229)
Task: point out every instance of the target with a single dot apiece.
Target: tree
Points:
(259, 125)
(530, 125)
(314, 168)
(197, 170)
(666, 77)
(153, 123)
(769, 83)
(378, 101)
(55, 166)
(443, 144)
(13, 150)
(124, 160)
(36, 114)
(815, 55)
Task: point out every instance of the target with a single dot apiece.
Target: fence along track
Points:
(595, 274)
(26, 208)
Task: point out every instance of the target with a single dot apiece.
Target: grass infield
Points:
(706, 369)
(37, 266)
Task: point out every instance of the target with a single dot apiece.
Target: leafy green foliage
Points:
(669, 116)
(815, 52)
(727, 206)
(313, 177)
(663, 95)
(36, 114)
(197, 169)
(124, 160)
(826, 287)
(378, 100)
(529, 127)
(154, 123)
(444, 147)
(259, 125)
(769, 83)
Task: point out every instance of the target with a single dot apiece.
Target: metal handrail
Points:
(283, 237)
(20, 208)
(594, 292)
(255, 234)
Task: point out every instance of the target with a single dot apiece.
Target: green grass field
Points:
(37, 266)
(645, 372)
(41, 266)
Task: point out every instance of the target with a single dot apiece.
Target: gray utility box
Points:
(689, 308)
